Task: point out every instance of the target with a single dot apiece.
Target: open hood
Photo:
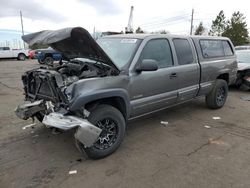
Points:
(72, 43)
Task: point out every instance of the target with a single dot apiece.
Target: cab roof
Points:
(143, 36)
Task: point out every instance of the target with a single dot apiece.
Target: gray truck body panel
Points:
(146, 92)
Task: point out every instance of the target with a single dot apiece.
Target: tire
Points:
(40, 61)
(218, 96)
(21, 57)
(48, 60)
(105, 116)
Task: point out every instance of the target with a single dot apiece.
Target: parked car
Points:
(122, 77)
(47, 56)
(32, 54)
(243, 75)
(7, 52)
(244, 47)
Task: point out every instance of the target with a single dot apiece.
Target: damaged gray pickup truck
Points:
(103, 84)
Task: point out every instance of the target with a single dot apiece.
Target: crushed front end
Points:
(50, 92)
(46, 99)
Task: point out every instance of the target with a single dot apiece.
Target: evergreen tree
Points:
(218, 25)
(236, 29)
(200, 29)
(139, 30)
(38, 46)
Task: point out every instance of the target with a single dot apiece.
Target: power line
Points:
(165, 23)
(164, 20)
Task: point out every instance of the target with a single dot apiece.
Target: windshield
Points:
(243, 56)
(120, 50)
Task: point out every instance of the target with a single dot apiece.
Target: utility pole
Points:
(192, 20)
(94, 35)
(129, 28)
(21, 16)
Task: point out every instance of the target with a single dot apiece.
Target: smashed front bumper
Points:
(86, 133)
(28, 109)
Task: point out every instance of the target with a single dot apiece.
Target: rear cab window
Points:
(227, 48)
(183, 51)
(212, 48)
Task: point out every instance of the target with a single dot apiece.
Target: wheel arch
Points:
(224, 76)
(21, 53)
(117, 98)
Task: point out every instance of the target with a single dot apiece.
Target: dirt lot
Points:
(182, 154)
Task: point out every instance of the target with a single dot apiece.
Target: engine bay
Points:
(75, 70)
(50, 83)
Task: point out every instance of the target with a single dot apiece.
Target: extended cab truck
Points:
(118, 78)
(7, 52)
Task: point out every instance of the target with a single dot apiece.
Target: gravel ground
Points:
(193, 150)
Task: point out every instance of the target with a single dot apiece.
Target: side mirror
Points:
(147, 65)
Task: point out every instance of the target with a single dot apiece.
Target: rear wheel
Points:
(21, 57)
(112, 123)
(217, 97)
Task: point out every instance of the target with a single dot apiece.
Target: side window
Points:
(212, 48)
(183, 51)
(1, 48)
(227, 48)
(159, 50)
(6, 48)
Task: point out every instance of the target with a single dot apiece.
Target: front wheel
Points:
(40, 61)
(217, 97)
(112, 123)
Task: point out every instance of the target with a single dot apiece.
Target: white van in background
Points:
(7, 52)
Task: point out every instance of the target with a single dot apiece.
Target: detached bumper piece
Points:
(86, 133)
(28, 109)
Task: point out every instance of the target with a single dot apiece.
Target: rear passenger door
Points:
(188, 71)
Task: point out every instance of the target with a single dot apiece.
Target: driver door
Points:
(154, 90)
